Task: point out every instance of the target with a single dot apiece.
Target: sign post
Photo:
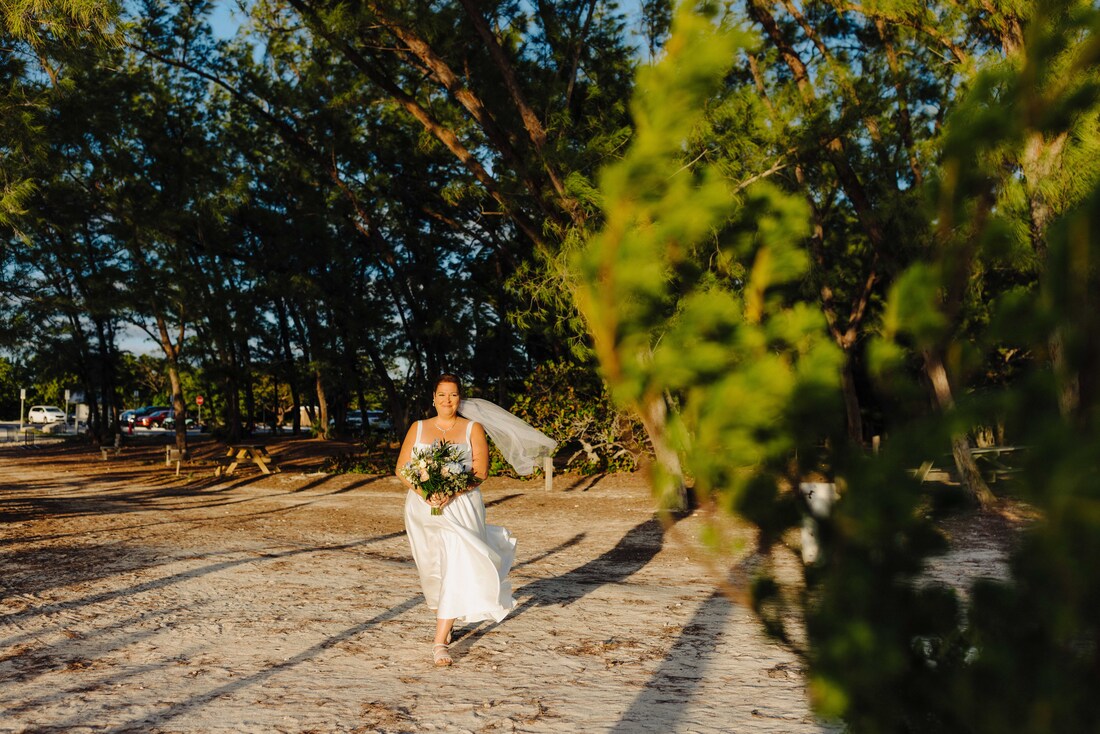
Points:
(199, 401)
(22, 400)
(66, 410)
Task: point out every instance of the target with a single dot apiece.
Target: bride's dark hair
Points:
(448, 377)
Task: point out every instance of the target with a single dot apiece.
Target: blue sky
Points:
(227, 15)
(226, 18)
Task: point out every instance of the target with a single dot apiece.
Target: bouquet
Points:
(437, 470)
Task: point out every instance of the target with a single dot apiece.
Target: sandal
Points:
(440, 656)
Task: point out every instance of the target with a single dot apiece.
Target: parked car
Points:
(126, 417)
(377, 420)
(137, 415)
(169, 421)
(153, 418)
(354, 420)
(45, 414)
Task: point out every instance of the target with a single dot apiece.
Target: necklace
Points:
(442, 430)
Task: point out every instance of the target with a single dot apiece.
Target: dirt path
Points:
(135, 601)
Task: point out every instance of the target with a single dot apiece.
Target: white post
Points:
(22, 400)
(66, 411)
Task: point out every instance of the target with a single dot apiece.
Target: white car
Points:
(378, 420)
(45, 414)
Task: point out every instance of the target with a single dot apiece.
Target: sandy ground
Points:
(136, 601)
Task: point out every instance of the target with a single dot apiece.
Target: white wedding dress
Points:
(463, 562)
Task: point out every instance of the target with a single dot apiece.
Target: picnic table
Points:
(991, 458)
(243, 453)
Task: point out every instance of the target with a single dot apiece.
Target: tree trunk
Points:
(244, 369)
(296, 406)
(1069, 386)
(322, 405)
(231, 393)
(668, 480)
(969, 475)
(291, 369)
(399, 413)
(1041, 157)
(108, 387)
(172, 355)
(180, 408)
(851, 403)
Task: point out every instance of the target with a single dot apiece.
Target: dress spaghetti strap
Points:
(469, 430)
(419, 425)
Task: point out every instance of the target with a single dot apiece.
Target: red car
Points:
(153, 419)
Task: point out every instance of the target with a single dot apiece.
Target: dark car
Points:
(354, 420)
(169, 421)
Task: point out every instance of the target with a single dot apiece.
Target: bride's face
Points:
(446, 399)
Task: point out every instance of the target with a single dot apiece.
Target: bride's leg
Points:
(440, 656)
(443, 630)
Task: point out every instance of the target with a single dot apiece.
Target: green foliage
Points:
(38, 21)
(9, 389)
(734, 355)
(756, 381)
(569, 403)
(46, 31)
(1025, 657)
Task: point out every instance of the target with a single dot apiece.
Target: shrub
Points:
(571, 404)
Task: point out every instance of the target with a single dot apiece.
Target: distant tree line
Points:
(330, 208)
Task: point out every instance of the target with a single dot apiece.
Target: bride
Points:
(462, 561)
